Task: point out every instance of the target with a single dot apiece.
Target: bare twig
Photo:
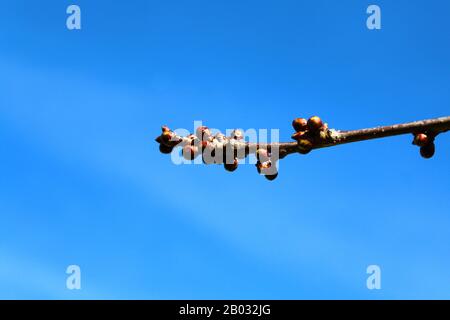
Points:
(310, 134)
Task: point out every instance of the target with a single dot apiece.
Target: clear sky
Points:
(82, 180)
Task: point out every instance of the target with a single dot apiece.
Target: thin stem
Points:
(337, 137)
(436, 126)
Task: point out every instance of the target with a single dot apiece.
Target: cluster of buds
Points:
(214, 149)
(167, 140)
(309, 133)
(426, 143)
(218, 149)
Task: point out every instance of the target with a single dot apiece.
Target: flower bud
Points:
(167, 136)
(231, 166)
(271, 177)
(165, 128)
(165, 149)
(300, 124)
(421, 140)
(427, 151)
(260, 166)
(315, 123)
(263, 167)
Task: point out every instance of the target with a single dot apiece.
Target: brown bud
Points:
(165, 128)
(262, 166)
(300, 124)
(271, 177)
(315, 123)
(428, 150)
(190, 152)
(231, 166)
(266, 169)
(421, 140)
(167, 136)
(165, 149)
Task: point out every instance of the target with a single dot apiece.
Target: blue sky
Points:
(82, 180)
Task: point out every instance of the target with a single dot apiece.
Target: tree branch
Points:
(310, 134)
